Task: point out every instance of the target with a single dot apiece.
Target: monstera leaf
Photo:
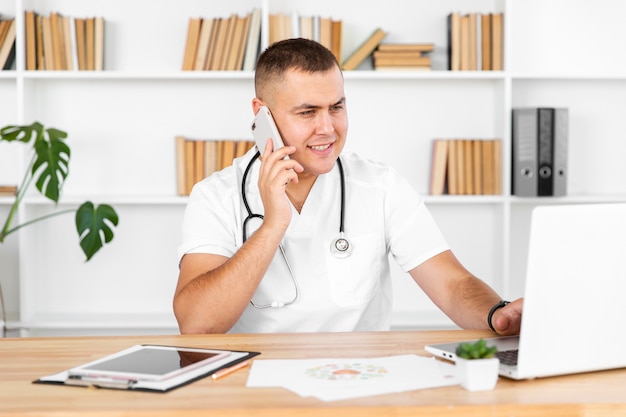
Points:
(49, 167)
(92, 225)
(52, 163)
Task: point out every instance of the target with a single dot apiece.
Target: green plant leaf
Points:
(93, 226)
(21, 133)
(52, 163)
(476, 350)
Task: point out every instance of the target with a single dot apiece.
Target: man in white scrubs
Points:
(236, 279)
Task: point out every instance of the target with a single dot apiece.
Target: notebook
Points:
(574, 308)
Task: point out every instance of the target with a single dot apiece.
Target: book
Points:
(416, 48)
(39, 43)
(453, 179)
(468, 165)
(198, 162)
(235, 44)
(189, 166)
(243, 38)
(497, 33)
(439, 166)
(326, 32)
(464, 47)
(488, 167)
(210, 157)
(69, 46)
(336, 38)
(7, 45)
(8, 190)
(497, 166)
(191, 43)
(227, 51)
(454, 41)
(31, 40)
(477, 165)
(48, 50)
(472, 46)
(364, 50)
(98, 44)
(90, 36)
(306, 27)
(73, 56)
(253, 39)
(203, 48)
(400, 59)
(524, 152)
(220, 31)
(81, 51)
(228, 153)
(57, 41)
(179, 151)
(485, 44)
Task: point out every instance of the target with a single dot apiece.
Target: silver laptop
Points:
(574, 309)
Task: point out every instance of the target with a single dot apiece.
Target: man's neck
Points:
(298, 193)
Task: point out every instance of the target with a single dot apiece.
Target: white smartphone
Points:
(263, 128)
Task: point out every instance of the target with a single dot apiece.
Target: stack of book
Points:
(8, 190)
(196, 159)
(403, 56)
(324, 30)
(466, 166)
(475, 42)
(58, 42)
(7, 43)
(223, 43)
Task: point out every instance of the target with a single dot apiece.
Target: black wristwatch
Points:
(500, 304)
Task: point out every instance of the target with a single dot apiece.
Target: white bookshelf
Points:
(122, 123)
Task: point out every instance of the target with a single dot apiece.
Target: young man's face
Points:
(310, 112)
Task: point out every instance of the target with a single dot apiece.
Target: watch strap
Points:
(497, 306)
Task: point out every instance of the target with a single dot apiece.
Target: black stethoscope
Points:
(340, 247)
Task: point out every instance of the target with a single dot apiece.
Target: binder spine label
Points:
(545, 155)
(561, 133)
(524, 156)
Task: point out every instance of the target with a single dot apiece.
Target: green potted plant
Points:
(49, 168)
(477, 365)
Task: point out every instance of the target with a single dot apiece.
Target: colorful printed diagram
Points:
(346, 371)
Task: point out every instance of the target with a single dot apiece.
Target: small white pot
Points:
(478, 374)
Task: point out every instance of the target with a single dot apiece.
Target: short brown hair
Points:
(297, 53)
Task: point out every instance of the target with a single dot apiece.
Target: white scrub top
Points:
(383, 215)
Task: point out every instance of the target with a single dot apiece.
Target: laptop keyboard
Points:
(508, 357)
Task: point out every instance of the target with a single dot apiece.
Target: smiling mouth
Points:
(320, 147)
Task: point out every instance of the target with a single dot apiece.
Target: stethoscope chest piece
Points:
(341, 247)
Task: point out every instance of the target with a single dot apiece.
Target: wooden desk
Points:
(24, 360)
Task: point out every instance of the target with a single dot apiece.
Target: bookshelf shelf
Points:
(122, 123)
(137, 75)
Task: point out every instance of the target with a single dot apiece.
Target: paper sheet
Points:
(333, 379)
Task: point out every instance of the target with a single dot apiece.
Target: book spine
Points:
(545, 131)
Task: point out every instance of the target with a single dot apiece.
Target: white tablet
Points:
(147, 363)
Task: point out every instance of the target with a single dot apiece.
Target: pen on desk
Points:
(227, 371)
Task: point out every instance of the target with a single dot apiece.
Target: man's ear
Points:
(257, 103)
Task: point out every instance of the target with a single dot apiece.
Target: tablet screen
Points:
(149, 363)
